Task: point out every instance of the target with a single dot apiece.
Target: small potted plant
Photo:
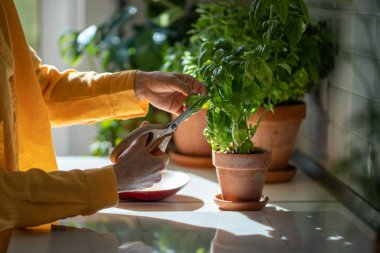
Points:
(242, 69)
(297, 54)
(241, 166)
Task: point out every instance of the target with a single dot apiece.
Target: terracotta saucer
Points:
(240, 206)
(280, 176)
(191, 161)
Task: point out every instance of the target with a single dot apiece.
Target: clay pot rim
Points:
(225, 161)
(259, 150)
(219, 167)
(282, 112)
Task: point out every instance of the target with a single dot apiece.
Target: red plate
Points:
(171, 182)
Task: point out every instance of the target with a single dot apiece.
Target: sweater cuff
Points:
(101, 189)
(123, 99)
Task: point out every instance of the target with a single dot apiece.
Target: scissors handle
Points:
(156, 139)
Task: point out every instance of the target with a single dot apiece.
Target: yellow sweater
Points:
(33, 97)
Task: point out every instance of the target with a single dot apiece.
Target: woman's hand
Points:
(167, 91)
(136, 169)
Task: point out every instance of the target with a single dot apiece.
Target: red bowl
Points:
(171, 182)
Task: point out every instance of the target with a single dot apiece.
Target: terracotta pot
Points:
(242, 176)
(278, 132)
(189, 138)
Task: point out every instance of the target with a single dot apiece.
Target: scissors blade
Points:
(196, 106)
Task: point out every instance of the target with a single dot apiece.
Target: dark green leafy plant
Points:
(242, 58)
(312, 60)
(268, 55)
(118, 45)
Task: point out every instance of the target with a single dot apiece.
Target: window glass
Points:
(28, 11)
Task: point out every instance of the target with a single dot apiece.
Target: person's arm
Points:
(35, 197)
(85, 97)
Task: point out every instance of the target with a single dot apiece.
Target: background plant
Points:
(120, 44)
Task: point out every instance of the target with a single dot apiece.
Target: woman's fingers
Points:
(140, 142)
(164, 158)
(189, 81)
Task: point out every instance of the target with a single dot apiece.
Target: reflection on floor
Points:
(234, 232)
(300, 217)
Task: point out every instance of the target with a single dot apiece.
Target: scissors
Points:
(158, 134)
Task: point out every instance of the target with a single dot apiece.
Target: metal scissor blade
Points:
(196, 106)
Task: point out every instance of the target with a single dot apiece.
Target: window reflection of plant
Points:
(182, 241)
(119, 44)
(164, 239)
(362, 165)
(123, 228)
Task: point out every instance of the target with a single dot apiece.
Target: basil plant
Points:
(244, 54)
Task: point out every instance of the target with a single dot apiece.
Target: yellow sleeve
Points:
(35, 197)
(85, 97)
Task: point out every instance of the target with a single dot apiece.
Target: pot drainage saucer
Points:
(240, 206)
(279, 176)
(191, 161)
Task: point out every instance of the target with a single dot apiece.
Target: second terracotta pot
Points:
(189, 138)
(242, 176)
(278, 132)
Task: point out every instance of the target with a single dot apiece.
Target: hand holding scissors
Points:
(158, 134)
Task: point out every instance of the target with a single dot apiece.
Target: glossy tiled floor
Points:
(301, 217)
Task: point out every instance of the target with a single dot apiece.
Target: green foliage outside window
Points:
(116, 46)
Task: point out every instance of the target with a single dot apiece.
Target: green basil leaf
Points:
(203, 57)
(246, 147)
(282, 7)
(205, 70)
(249, 69)
(259, 69)
(223, 44)
(258, 8)
(218, 75)
(285, 66)
(313, 71)
(301, 77)
(293, 30)
(218, 55)
(302, 7)
(266, 37)
(240, 50)
(206, 46)
(278, 43)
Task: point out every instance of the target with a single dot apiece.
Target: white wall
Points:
(55, 16)
(345, 128)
